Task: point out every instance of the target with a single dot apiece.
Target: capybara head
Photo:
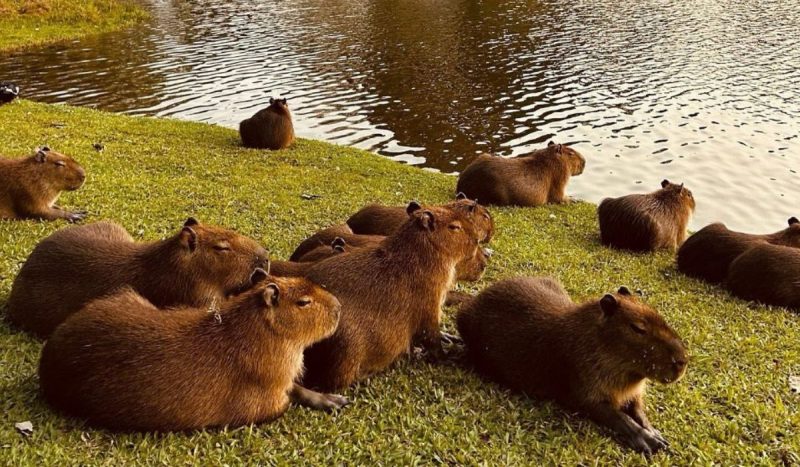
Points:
(640, 340)
(678, 192)
(471, 269)
(481, 217)
(60, 170)
(575, 161)
(279, 104)
(446, 230)
(792, 233)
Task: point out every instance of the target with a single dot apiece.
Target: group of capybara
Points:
(201, 329)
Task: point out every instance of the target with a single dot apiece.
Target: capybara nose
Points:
(82, 175)
(679, 363)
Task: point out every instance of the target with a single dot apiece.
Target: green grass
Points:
(26, 23)
(733, 407)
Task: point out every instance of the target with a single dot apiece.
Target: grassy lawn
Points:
(734, 406)
(25, 23)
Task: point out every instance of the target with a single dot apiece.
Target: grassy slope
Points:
(26, 23)
(733, 407)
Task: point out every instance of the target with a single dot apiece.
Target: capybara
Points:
(647, 222)
(195, 267)
(533, 180)
(526, 333)
(123, 364)
(708, 253)
(30, 187)
(376, 219)
(391, 296)
(337, 246)
(8, 92)
(269, 128)
(326, 236)
(767, 273)
(299, 268)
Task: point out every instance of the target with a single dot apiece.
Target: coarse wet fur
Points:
(533, 180)
(326, 236)
(269, 128)
(123, 364)
(527, 334)
(391, 296)
(30, 187)
(767, 273)
(647, 222)
(708, 253)
(199, 265)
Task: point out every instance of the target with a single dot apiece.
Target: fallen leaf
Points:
(794, 384)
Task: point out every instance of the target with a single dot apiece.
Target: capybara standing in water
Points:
(647, 222)
(767, 273)
(527, 334)
(269, 128)
(123, 364)
(708, 253)
(30, 187)
(532, 180)
(195, 267)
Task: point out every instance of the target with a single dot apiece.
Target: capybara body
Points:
(595, 357)
(8, 92)
(123, 364)
(533, 180)
(647, 222)
(767, 273)
(269, 128)
(195, 267)
(326, 236)
(709, 252)
(30, 187)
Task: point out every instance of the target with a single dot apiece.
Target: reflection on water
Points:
(704, 92)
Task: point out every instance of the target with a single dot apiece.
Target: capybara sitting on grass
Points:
(326, 236)
(197, 266)
(767, 273)
(269, 128)
(708, 253)
(532, 180)
(30, 187)
(123, 364)
(647, 222)
(527, 334)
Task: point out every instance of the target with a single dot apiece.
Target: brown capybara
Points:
(299, 268)
(195, 267)
(767, 273)
(708, 253)
(647, 222)
(376, 219)
(123, 364)
(325, 237)
(337, 246)
(526, 333)
(269, 128)
(391, 296)
(30, 187)
(533, 180)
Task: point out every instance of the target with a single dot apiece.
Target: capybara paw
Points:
(645, 442)
(451, 339)
(336, 401)
(76, 216)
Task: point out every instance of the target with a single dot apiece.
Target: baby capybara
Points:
(532, 180)
(596, 357)
(391, 296)
(325, 237)
(269, 128)
(123, 364)
(708, 253)
(30, 187)
(647, 222)
(195, 267)
(767, 273)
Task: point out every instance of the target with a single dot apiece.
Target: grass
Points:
(733, 407)
(26, 23)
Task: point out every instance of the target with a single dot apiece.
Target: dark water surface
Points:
(703, 92)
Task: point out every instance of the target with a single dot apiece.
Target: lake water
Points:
(702, 92)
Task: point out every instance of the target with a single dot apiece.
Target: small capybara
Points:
(195, 267)
(533, 180)
(326, 236)
(337, 246)
(647, 222)
(767, 273)
(708, 253)
(391, 296)
(8, 92)
(123, 364)
(526, 333)
(376, 219)
(299, 268)
(30, 187)
(269, 128)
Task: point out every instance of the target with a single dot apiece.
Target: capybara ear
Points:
(271, 101)
(338, 249)
(793, 221)
(461, 196)
(413, 207)
(338, 242)
(427, 221)
(190, 222)
(624, 291)
(258, 276)
(45, 148)
(283, 101)
(550, 143)
(664, 183)
(41, 155)
(271, 295)
(188, 238)
(609, 304)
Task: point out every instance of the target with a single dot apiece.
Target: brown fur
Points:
(767, 273)
(123, 364)
(709, 252)
(533, 180)
(78, 264)
(647, 222)
(595, 357)
(269, 128)
(325, 237)
(30, 187)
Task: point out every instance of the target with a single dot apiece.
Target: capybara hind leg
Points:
(317, 400)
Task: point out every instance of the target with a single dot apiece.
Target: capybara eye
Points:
(60, 163)
(638, 328)
(222, 247)
(304, 302)
(454, 227)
